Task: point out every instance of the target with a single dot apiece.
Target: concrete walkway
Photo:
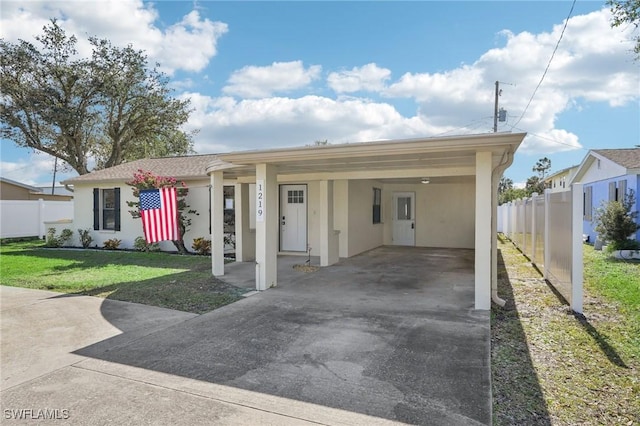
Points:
(381, 338)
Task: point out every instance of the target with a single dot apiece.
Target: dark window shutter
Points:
(116, 208)
(96, 209)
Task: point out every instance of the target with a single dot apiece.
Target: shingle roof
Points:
(627, 157)
(190, 166)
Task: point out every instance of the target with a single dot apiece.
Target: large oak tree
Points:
(111, 107)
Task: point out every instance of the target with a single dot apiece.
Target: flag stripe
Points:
(158, 210)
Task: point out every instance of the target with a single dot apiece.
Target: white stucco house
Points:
(100, 199)
(342, 200)
(607, 175)
(335, 200)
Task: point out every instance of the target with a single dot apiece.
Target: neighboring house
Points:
(12, 190)
(342, 200)
(57, 190)
(559, 181)
(100, 199)
(607, 175)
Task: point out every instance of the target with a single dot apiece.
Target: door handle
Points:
(413, 225)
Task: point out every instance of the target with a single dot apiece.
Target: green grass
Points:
(550, 366)
(160, 279)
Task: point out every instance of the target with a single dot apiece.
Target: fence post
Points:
(547, 252)
(40, 218)
(576, 248)
(534, 240)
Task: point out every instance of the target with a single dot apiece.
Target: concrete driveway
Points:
(388, 336)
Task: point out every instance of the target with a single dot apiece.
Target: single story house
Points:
(13, 190)
(342, 200)
(334, 201)
(607, 175)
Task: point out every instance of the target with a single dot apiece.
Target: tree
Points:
(504, 185)
(626, 12)
(534, 184)
(512, 194)
(542, 166)
(147, 180)
(616, 222)
(110, 107)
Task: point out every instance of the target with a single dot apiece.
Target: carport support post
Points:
(245, 239)
(483, 231)
(328, 249)
(266, 226)
(217, 223)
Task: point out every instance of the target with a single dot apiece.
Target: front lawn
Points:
(551, 366)
(167, 280)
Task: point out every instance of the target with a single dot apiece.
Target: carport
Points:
(342, 200)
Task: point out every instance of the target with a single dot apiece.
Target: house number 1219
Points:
(260, 200)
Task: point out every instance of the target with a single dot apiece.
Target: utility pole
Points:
(495, 108)
(55, 169)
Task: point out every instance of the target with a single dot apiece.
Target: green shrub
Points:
(201, 245)
(85, 238)
(615, 222)
(141, 244)
(112, 244)
(53, 241)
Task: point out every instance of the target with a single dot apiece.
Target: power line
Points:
(566, 22)
(549, 139)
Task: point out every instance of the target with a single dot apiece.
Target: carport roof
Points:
(437, 156)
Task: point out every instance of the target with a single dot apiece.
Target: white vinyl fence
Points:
(548, 230)
(26, 218)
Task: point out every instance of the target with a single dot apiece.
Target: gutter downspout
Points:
(68, 188)
(495, 180)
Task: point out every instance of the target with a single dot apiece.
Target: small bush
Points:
(141, 244)
(112, 244)
(53, 241)
(616, 222)
(201, 245)
(85, 238)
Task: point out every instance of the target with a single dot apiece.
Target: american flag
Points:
(158, 209)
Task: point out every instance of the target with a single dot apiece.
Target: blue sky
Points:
(274, 74)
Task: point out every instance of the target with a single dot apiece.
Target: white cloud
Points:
(591, 64)
(35, 169)
(185, 45)
(279, 77)
(369, 77)
(229, 125)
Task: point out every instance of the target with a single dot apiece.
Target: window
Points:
(613, 196)
(588, 203)
(295, 197)
(377, 202)
(622, 190)
(106, 209)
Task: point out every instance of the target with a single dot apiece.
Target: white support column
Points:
(328, 238)
(576, 249)
(245, 239)
(266, 226)
(217, 223)
(483, 231)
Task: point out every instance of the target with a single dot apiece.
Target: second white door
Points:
(293, 217)
(404, 223)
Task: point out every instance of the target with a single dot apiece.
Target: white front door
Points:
(404, 224)
(293, 217)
